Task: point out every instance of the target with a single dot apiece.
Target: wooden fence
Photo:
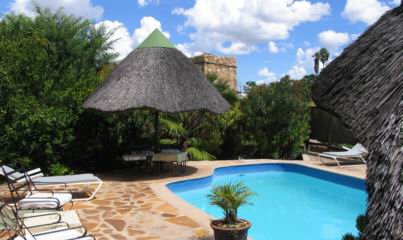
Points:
(326, 128)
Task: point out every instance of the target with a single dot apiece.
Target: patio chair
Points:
(60, 230)
(25, 195)
(357, 152)
(38, 179)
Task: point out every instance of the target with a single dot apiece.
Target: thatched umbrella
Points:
(364, 88)
(157, 76)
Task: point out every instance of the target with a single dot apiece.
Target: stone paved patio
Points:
(131, 205)
(130, 210)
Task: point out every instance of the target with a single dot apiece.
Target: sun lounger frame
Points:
(35, 173)
(335, 157)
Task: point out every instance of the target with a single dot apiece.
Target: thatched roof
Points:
(158, 76)
(364, 88)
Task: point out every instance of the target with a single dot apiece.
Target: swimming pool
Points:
(292, 202)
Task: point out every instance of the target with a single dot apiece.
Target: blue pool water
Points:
(293, 202)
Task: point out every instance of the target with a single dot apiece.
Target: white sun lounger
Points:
(25, 195)
(357, 152)
(43, 226)
(39, 179)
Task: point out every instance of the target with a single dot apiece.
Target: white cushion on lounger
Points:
(32, 201)
(9, 170)
(79, 178)
(357, 150)
(66, 234)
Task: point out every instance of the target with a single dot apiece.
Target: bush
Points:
(59, 169)
(276, 117)
(231, 131)
(48, 67)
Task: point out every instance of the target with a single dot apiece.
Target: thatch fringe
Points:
(364, 88)
(158, 78)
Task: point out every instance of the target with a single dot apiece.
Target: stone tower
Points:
(224, 67)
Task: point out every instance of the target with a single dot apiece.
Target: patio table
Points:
(139, 157)
(171, 156)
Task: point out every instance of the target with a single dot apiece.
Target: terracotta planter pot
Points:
(221, 233)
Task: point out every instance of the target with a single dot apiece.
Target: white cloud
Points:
(147, 26)
(273, 48)
(187, 49)
(333, 40)
(235, 48)
(305, 59)
(304, 63)
(268, 75)
(297, 72)
(79, 8)
(123, 43)
(143, 3)
(367, 11)
(237, 26)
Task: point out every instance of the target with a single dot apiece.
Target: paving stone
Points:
(101, 202)
(90, 226)
(149, 238)
(168, 215)
(123, 210)
(119, 237)
(183, 221)
(108, 214)
(166, 208)
(117, 223)
(135, 232)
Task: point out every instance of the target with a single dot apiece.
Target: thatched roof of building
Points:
(364, 88)
(158, 76)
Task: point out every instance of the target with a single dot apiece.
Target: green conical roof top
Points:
(156, 40)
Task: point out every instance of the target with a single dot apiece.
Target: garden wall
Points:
(325, 127)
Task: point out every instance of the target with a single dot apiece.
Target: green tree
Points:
(324, 56)
(248, 85)
(48, 66)
(276, 118)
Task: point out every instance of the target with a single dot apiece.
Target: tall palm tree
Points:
(324, 56)
(316, 57)
(321, 56)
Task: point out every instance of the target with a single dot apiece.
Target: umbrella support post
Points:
(156, 132)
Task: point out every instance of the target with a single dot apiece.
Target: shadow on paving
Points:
(136, 173)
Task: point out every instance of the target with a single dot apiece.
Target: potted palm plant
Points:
(229, 197)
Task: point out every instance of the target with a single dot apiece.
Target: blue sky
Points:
(270, 38)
